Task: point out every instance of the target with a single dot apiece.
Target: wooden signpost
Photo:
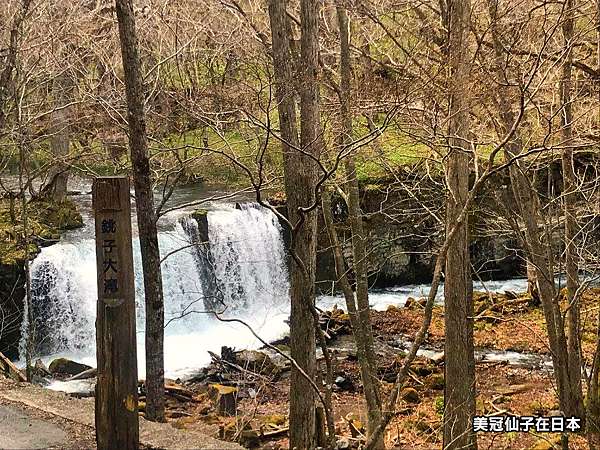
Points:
(116, 352)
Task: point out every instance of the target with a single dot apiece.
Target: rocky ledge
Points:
(45, 222)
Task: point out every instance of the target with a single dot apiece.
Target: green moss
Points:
(45, 221)
(60, 216)
(199, 215)
(438, 404)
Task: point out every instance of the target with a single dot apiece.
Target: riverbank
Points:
(513, 377)
(242, 396)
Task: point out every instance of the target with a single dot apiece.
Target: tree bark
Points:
(62, 91)
(146, 215)
(593, 396)
(536, 241)
(359, 301)
(569, 204)
(532, 281)
(300, 173)
(10, 61)
(459, 393)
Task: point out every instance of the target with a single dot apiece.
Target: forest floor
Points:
(505, 322)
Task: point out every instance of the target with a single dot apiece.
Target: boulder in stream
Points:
(64, 366)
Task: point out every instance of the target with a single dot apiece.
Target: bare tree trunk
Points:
(62, 91)
(537, 244)
(10, 60)
(361, 324)
(459, 392)
(593, 395)
(146, 215)
(300, 174)
(532, 281)
(569, 200)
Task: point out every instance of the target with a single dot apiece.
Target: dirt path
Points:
(23, 427)
(69, 423)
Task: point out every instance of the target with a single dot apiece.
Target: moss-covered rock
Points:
(45, 220)
(59, 216)
(200, 214)
(64, 366)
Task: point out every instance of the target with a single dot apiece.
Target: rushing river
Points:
(250, 269)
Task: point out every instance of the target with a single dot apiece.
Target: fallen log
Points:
(178, 390)
(274, 433)
(10, 370)
(85, 375)
(172, 390)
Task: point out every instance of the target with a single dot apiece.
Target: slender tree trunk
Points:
(146, 215)
(459, 393)
(300, 179)
(10, 61)
(62, 91)
(593, 395)
(361, 324)
(532, 281)
(569, 201)
(302, 327)
(536, 241)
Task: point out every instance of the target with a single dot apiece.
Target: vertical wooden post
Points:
(116, 352)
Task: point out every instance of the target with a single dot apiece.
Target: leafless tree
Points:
(146, 215)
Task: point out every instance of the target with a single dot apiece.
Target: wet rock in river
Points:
(344, 383)
(64, 366)
(412, 303)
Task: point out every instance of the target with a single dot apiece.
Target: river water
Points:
(249, 261)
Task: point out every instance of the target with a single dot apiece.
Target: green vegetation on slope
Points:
(45, 221)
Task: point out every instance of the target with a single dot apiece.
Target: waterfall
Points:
(63, 289)
(249, 271)
(249, 256)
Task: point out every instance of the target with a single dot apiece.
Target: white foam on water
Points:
(250, 261)
(398, 295)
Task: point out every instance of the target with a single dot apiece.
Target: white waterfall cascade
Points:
(250, 269)
(249, 259)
